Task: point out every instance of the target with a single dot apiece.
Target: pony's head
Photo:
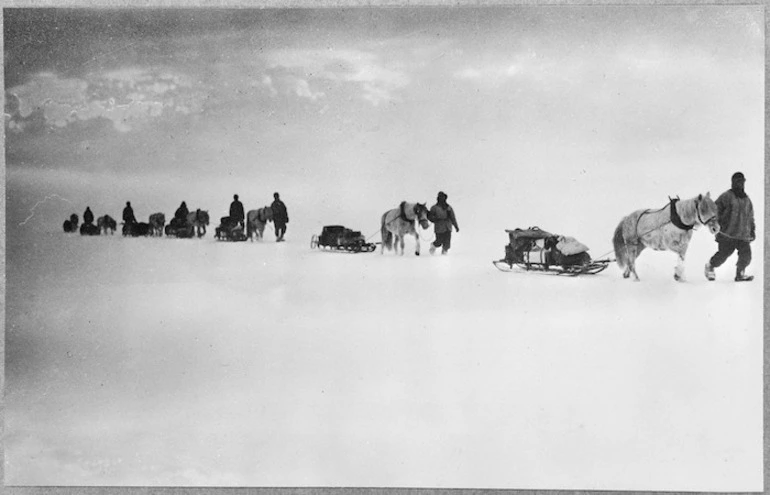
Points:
(707, 211)
(421, 213)
(203, 216)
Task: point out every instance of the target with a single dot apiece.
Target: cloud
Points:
(267, 82)
(525, 66)
(126, 97)
(301, 88)
(376, 80)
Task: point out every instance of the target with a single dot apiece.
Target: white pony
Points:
(667, 228)
(399, 222)
(256, 220)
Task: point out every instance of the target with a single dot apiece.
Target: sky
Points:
(354, 110)
(566, 117)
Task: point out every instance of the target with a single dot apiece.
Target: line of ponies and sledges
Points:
(532, 249)
(193, 226)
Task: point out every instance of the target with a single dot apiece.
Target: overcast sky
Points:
(347, 107)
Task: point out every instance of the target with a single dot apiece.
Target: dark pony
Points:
(106, 223)
(71, 225)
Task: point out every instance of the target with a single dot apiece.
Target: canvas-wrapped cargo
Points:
(537, 249)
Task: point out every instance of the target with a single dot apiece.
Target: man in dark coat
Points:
(128, 214)
(443, 217)
(236, 212)
(737, 229)
(88, 216)
(280, 217)
(180, 216)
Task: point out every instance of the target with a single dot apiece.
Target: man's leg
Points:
(436, 243)
(744, 258)
(726, 248)
(447, 242)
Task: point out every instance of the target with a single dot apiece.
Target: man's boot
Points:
(742, 277)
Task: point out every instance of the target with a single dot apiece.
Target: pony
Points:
(105, 223)
(157, 221)
(398, 222)
(256, 221)
(199, 219)
(669, 228)
(71, 225)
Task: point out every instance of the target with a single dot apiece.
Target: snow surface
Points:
(159, 361)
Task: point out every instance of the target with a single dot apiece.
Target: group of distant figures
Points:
(104, 224)
(185, 223)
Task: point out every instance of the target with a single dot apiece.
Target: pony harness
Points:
(402, 215)
(676, 219)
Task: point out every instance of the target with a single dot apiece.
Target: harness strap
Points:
(403, 213)
(676, 219)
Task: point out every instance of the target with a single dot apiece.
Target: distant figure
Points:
(88, 216)
(236, 212)
(737, 229)
(280, 217)
(180, 216)
(128, 214)
(443, 217)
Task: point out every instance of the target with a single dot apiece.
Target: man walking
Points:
(280, 217)
(443, 217)
(737, 229)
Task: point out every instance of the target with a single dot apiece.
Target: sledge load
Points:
(534, 249)
(339, 238)
(230, 230)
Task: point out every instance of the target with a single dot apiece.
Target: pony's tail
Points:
(387, 236)
(620, 246)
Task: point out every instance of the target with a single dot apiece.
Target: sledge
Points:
(180, 229)
(537, 250)
(230, 230)
(339, 238)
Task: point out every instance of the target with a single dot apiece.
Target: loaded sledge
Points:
(339, 238)
(230, 230)
(534, 249)
(179, 228)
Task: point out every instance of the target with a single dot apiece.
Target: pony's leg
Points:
(633, 253)
(679, 269)
(401, 240)
(417, 243)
